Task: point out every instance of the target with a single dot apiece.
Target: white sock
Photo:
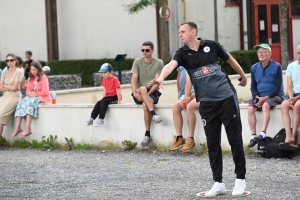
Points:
(263, 134)
(253, 136)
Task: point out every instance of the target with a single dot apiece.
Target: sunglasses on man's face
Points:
(10, 60)
(147, 50)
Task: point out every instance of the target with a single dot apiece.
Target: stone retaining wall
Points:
(64, 82)
(126, 77)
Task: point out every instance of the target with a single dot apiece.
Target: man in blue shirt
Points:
(266, 89)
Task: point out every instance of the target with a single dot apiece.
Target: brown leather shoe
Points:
(177, 144)
(189, 144)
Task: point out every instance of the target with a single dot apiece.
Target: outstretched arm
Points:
(168, 68)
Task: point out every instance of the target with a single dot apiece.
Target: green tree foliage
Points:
(135, 7)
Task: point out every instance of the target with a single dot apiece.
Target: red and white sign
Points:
(168, 13)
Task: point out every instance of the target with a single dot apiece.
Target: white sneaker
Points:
(218, 188)
(99, 122)
(239, 187)
(156, 119)
(89, 122)
(145, 141)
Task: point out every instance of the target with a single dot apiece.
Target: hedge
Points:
(89, 66)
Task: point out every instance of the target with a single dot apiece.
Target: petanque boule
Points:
(46, 70)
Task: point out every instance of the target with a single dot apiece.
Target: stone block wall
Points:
(64, 82)
(126, 77)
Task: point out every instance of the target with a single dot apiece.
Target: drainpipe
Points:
(179, 20)
(184, 10)
(216, 20)
(245, 31)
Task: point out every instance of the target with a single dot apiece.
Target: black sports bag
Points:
(270, 147)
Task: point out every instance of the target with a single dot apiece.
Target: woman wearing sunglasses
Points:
(11, 78)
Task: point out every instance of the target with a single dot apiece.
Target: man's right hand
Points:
(156, 81)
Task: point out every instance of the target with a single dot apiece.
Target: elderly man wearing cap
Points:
(111, 95)
(266, 89)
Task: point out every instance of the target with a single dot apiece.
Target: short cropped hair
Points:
(29, 52)
(192, 25)
(148, 43)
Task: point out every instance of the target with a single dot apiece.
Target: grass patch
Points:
(86, 146)
(128, 145)
(110, 145)
(51, 143)
(3, 142)
(69, 144)
(163, 159)
(21, 144)
(158, 147)
(127, 162)
(248, 151)
(227, 152)
(203, 148)
(46, 143)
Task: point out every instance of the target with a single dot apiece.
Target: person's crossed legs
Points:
(148, 102)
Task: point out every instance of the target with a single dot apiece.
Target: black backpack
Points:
(270, 147)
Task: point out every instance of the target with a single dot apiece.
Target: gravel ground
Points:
(32, 174)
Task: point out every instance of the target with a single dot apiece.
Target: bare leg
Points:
(28, 126)
(146, 98)
(18, 126)
(266, 116)
(190, 109)
(1, 129)
(147, 117)
(177, 117)
(296, 119)
(252, 119)
(286, 119)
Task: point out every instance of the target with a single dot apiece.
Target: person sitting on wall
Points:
(266, 89)
(145, 69)
(186, 100)
(11, 78)
(37, 92)
(291, 102)
(111, 95)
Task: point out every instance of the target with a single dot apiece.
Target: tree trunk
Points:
(162, 31)
(283, 32)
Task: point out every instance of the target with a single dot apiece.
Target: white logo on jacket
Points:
(206, 49)
(204, 122)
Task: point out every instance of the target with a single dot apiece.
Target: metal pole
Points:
(216, 20)
(179, 17)
(120, 71)
(245, 25)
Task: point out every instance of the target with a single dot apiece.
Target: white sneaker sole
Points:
(157, 122)
(97, 125)
(218, 193)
